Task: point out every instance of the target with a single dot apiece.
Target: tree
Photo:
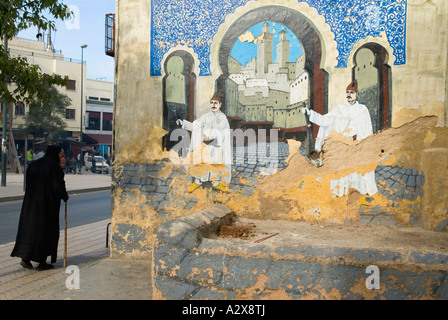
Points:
(49, 117)
(30, 84)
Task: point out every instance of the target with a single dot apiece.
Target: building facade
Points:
(37, 53)
(99, 115)
(97, 99)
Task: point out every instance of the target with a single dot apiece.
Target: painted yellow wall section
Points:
(302, 191)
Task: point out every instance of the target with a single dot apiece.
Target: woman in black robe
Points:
(38, 232)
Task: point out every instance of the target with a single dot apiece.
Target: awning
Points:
(88, 148)
(72, 142)
(98, 139)
(89, 140)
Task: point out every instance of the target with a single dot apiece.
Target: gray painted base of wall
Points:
(189, 264)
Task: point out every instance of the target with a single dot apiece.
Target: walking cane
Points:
(65, 237)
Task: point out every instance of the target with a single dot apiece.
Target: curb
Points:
(70, 192)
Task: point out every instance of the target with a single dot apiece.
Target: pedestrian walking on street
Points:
(93, 164)
(79, 163)
(38, 231)
(29, 156)
(72, 165)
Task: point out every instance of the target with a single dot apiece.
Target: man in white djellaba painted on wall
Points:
(352, 119)
(213, 130)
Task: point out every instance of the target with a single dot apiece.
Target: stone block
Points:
(165, 288)
(189, 266)
(126, 237)
(242, 273)
(204, 269)
(148, 188)
(442, 226)
(370, 256)
(168, 258)
(213, 294)
(442, 290)
(428, 258)
(292, 275)
(411, 181)
(177, 233)
(136, 180)
(162, 189)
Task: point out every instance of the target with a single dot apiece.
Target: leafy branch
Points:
(20, 80)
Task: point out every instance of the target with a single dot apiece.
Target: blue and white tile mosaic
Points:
(194, 23)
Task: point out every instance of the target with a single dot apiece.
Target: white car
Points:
(100, 164)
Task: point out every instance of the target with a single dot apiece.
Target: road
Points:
(82, 209)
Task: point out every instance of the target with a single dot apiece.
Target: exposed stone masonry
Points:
(248, 169)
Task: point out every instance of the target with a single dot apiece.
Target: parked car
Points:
(100, 164)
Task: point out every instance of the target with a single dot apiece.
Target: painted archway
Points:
(373, 74)
(308, 36)
(178, 92)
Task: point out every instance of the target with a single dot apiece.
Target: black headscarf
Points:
(53, 153)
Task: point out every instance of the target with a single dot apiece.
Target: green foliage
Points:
(29, 83)
(17, 15)
(49, 117)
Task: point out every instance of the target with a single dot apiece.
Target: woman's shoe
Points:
(44, 266)
(26, 264)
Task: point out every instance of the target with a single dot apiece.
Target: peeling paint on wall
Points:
(407, 163)
(191, 262)
(157, 193)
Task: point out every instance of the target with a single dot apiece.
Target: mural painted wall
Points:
(196, 22)
(267, 60)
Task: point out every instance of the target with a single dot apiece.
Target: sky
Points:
(244, 51)
(87, 27)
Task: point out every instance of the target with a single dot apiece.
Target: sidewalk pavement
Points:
(100, 277)
(75, 183)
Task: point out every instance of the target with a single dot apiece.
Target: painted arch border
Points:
(187, 49)
(323, 30)
(382, 41)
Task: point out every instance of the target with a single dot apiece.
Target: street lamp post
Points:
(4, 132)
(82, 87)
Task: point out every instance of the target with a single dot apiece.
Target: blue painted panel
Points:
(194, 23)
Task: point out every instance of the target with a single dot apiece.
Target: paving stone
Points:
(397, 176)
(442, 226)
(400, 192)
(394, 170)
(387, 175)
(156, 182)
(411, 181)
(163, 189)
(394, 187)
(405, 178)
(148, 188)
(418, 181)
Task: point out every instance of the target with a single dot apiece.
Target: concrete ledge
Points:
(187, 232)
(191, 263)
